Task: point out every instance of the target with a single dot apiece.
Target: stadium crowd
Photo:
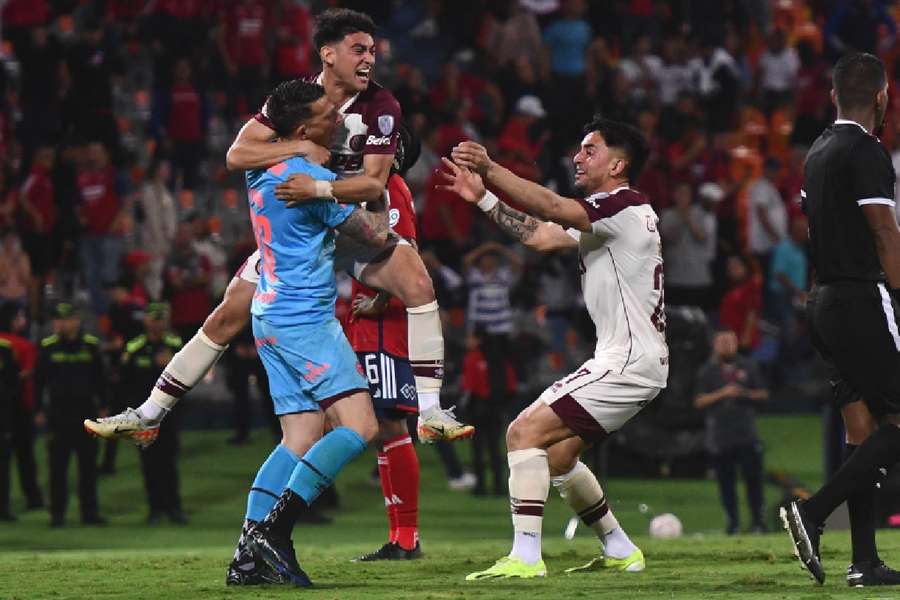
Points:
(115, 116)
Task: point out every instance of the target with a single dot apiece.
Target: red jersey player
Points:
(377, 330)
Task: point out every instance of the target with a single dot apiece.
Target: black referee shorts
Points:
(854, 327)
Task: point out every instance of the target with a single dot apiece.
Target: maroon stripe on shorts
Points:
(578, 419)
(324, 404)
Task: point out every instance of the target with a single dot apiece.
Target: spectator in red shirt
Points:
(293, 48)
(38, 213)
(100, 214)
(187, 276)
(446, 222)
(523, 133)
(741, 305)
(19, 16)
(486, 412)
(244, 48)
(13, 327)
(180, 120)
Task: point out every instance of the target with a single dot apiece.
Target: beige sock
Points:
(426, 353)
(581, 490)
(529, 484)
(186, 368)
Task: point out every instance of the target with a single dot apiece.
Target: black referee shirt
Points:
(846, 168)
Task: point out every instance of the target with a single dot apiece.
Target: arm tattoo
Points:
(365, 226)
(516, 223)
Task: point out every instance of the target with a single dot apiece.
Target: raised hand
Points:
(472, 156)
(462, 182)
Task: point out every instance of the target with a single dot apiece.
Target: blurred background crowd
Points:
(115, 116)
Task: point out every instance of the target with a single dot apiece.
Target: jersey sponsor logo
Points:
(386, 124)
(357, 142)
(393, 217)
(378, 141)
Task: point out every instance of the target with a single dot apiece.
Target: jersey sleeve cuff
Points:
(885, 201)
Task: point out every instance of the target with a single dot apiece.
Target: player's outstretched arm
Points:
(535, 199)
(367, 227)
(255, 147)
(883, 223)
(538, 235)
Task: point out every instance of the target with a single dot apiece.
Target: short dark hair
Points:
(625, 137)
(289, 104)
(857, 79)
(334, 24)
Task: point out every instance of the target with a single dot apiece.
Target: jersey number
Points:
(262, 229)
(658, 318)
(372, 374)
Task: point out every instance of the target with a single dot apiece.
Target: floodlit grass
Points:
(460, 534)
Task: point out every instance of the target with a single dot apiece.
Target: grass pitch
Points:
(460, 534)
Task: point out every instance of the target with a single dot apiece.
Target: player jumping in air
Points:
(615, 231)
(361, 153)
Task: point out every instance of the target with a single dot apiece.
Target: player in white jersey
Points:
(615, 230)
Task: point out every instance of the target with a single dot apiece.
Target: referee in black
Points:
(848, 195)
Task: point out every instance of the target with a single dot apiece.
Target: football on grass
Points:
(665, 526)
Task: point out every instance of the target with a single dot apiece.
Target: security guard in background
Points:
(70, 371)
(10, 388)
(145, 358)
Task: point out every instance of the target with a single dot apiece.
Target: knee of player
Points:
(368, 431)
(517, 434)
(560, 465)
(224, 323)
(418, 289)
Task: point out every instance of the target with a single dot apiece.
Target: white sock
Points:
(582, 492)
(151, 412)
(617, 544)
(527, 546)
(428, 402)
(186, 368)
(426, 353)
(529, 484)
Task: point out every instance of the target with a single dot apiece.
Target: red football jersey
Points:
(387, 333)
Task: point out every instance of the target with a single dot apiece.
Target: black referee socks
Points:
(861, 508)
(860, 472)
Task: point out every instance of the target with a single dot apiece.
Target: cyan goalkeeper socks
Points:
(321, 464)
(270, 482)
(312, 475)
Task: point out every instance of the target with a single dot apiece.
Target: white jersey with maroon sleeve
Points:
(622, 279)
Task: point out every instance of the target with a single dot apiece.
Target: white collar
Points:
(599, 195)
(346, 104)
(849, 122)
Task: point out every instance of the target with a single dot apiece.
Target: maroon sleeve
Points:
(262, 117)
(610, 206)
(383, 121)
